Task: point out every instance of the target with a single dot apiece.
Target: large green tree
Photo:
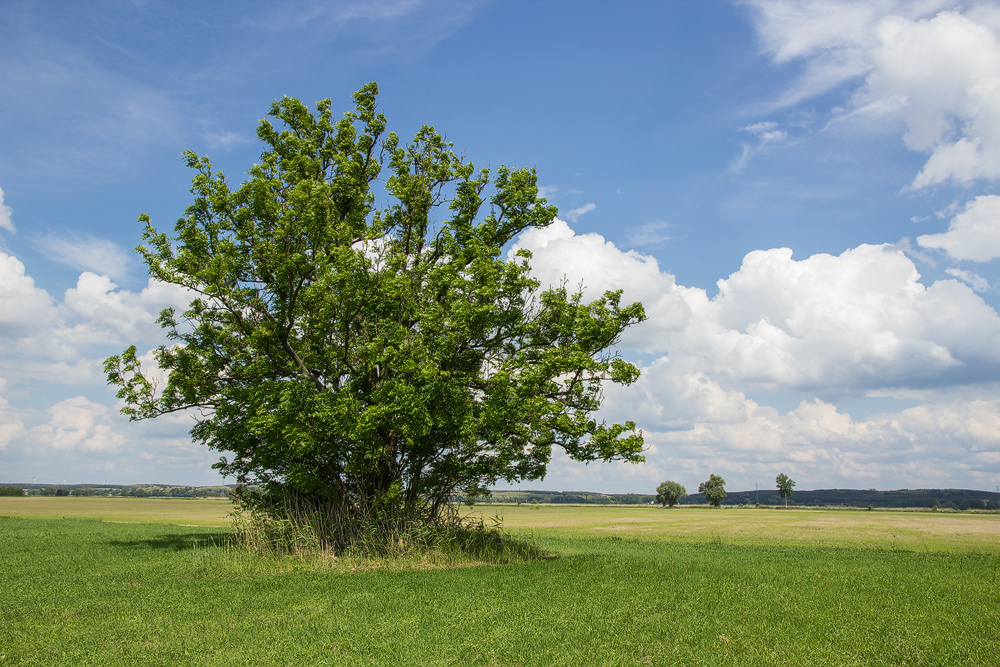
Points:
(373, 348)
(669, 492)
(714, 489)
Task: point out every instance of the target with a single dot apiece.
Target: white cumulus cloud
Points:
(693, 427)
(858, 320)
(106, 314)
(973, 234)
(78, 424)
(51, 341)
(859, 323)
(945, 71)
(24, 308)
(11, 426)
(935, 67)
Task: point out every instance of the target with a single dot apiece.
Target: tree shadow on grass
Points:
(175, 542)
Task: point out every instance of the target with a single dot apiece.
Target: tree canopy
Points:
(785, 485)
(374, 348)
(714, 489)
(669, 492)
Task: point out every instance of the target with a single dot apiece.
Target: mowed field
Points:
(176, 511)
(625, 586)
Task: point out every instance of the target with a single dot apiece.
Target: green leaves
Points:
(669, 492)
(785, 486)
(364, 353)
(714, 489)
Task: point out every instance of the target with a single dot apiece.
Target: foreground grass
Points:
(89, 593)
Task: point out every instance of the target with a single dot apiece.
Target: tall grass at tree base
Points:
(319, 532)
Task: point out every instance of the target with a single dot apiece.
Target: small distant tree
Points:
(669, 492)
(11, 491)
(785, 485)
(714, 489)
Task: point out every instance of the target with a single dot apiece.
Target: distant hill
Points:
(129, 490)
(946, 498)
(571, 497)
(960, 499)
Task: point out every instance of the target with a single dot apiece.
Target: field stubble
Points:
(925, 531)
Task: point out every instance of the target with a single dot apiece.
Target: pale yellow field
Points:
(911, 531)
(179, 511)
(968, 532)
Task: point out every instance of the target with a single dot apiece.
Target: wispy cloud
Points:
(574, 214)
(547, 191)
(831, 39)
(85, 253)
(92, 116)
(973, 280)
(649, 234)
(5, 215)
(102, 109)
(225, 140)
(906, 245)
(766, 132)
(303, 14)
(934, 66)
(388, 26)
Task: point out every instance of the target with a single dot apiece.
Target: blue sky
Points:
(803, 194)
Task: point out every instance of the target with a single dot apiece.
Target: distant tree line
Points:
(132, 491)
(958, 499)
(154, 491)
(945, 499)
(564, 497)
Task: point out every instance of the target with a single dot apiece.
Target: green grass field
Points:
(628, 586)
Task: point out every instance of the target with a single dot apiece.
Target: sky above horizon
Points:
(803, 195)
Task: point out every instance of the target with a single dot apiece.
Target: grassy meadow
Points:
(625, 586)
